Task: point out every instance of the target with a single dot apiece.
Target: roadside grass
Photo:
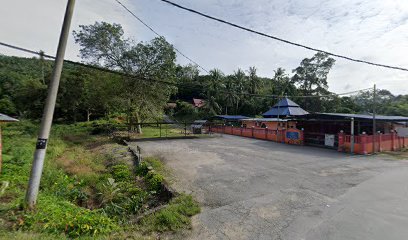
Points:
(174, 217)
(398, 155)
(84, 193)
(166, 131)
(159, 167)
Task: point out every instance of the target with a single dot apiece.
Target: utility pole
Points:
(374, 123)
(277, 124)
(46, 122)
(352, 136)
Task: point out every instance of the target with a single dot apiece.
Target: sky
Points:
(372, 30)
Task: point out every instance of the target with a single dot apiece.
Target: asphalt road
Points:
(253, 189)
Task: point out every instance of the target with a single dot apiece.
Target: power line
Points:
(151, 29)
(281, 39)
(85, 65)
(170, 83)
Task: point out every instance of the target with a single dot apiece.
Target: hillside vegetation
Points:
(89, 189)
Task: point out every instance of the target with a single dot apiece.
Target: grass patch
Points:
(57, 216)
(84, 193)
(166, 131)
(397, 155)
(158, 166)
(174, 217)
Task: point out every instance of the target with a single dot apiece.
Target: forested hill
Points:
(85, 93)
(23, 88)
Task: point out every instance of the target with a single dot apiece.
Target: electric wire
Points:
(142, 78)
(155, 32)
(281, 39)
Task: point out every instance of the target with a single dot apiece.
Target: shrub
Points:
(121, 173)
(142, 169)
(154, 181)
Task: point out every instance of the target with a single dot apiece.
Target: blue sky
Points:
(373, 30)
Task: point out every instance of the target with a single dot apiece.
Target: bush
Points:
(142, 169)
(121, 173)
(154, 181)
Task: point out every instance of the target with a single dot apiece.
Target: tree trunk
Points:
(88, 115)
(139, 127)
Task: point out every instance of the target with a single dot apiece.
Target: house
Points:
(287, 122)
(269, 123)
(284, 108)
(199, 126)
(198, 103)
(354, 132)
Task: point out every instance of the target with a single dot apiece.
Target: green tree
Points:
(254, 82)
(311, 79)
(214, 88)
(105, 44)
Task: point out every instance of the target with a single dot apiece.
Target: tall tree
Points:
(105, 44)
(255, 83)
(214, 87)
(311, 79)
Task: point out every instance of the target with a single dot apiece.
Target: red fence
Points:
(289, 136)
(363, 144)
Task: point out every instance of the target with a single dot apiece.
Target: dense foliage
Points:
(87, 94)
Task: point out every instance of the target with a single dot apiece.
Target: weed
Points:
(142, 169)
(121, 172)
(73, 176)
(54, 215)
(154, 181)
(174, 217)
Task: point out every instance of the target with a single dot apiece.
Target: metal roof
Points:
(200, 121)
(286, 102)
(285, 107)
(355, 116)
(5, 118)
(266, 119)
(230, 117)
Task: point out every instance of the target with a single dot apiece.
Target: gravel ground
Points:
(254, 189)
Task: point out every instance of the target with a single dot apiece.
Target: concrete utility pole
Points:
(46, 122)
(374, 123)
(352, 136)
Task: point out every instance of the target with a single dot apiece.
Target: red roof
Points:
(198, 102)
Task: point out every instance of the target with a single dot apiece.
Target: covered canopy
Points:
(285, 108)
(361, 117)
(5, 118)
(229, 117)
(265, 119)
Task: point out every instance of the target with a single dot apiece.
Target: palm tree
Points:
(211, 105)
(215, 82)
(214, 86)
(230, 97)
(240, 81)
(255, 83)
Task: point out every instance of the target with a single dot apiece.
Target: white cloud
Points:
(372, 30)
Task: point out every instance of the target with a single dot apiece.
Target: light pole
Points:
(46, 122)
(374, 122)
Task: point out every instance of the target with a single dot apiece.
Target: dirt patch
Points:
(78, 162)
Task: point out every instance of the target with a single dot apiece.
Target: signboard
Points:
(329, 140)
(402, 131)
(292, 135)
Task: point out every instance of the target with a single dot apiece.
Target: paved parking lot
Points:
(254, 189)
